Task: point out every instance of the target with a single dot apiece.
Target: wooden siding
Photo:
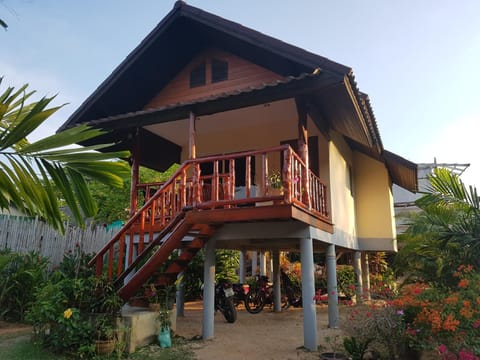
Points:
(241, 74)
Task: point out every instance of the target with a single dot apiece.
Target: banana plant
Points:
(32, 174)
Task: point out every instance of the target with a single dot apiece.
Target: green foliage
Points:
(444, 235)
(20, 276)
(192, 277)
(442, 318)
(355, 347)
(61, 314)
(114, 204)
(346, 280)
(23, 349)
(31, 174)
(226, 265)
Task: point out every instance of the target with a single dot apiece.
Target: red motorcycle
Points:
(262, 294)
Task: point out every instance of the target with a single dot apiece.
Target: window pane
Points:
(219, 70)
(197, 76)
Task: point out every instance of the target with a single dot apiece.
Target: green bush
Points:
(346, 280)
(61, 314)
(20, 276)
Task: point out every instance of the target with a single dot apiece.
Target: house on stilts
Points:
(234, 106)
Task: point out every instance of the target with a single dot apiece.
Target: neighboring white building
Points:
(404, 200)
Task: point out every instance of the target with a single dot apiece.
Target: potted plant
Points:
(105, 312)
(153, 295)
(104, 334)
(275, 183)
(166, 300)
(335, 345)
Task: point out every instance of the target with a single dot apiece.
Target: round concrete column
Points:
(310, 341)
(209, 291)
(332, 287)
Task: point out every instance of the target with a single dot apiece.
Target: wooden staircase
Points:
(148, 239)
(160, 227)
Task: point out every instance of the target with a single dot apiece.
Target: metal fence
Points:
(23, 234)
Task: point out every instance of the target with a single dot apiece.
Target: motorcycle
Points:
(240, 293)
(224, 295)
(262, 294)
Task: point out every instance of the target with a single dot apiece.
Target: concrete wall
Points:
(373, 201)
(341, 199)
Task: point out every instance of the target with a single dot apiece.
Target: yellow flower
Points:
(67, 313)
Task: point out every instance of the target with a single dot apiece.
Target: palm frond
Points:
(33, 174)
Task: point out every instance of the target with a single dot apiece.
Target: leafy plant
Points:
(33, 172)
(355, 347)
(20, 276)
(275, 180)
(444, 319)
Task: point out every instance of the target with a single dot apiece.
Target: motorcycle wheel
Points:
(255, 301)
(229, 310)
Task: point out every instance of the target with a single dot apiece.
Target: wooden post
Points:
(303, 150)
(264, 174)
(192, 151)
(248, 176)
(134, 159)
(287, 175)
(192, 154)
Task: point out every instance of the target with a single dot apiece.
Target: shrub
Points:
(20, 276)
(445, 319)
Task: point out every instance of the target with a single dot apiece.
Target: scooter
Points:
(224, 295)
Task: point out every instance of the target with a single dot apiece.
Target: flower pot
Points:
(138, 302)
(164, 338)
(154, 307)
(104, 346)
(333, 355)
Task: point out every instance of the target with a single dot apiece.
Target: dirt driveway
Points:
(266, 335)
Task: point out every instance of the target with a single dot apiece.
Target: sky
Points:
(418, 60)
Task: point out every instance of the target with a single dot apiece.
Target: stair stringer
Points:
(161, 255)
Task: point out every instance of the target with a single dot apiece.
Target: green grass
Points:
(19, 347)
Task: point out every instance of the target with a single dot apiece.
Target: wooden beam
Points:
(192, 151)
(134, 172)
(303, 148)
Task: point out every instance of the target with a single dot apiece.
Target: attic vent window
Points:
(197, 76)
(219, 70)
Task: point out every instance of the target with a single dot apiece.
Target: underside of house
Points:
(279, 151)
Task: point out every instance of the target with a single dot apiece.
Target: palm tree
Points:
(32, 174)
(446, 233)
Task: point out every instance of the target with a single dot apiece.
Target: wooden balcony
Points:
(272, 184)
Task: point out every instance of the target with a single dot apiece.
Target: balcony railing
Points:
(221, 187)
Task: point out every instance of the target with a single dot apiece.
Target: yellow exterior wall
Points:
(373, 198)
(341, 200)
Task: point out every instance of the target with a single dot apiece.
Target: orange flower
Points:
(466, 312)
(452, 299)
(450, 323)
(463, 283)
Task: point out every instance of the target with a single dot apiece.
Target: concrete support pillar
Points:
(332, 286)
(242, 269)
(366, 277)
(277, 293)
(254, 263)
(180, 294)
(209, 291)
(357, 267)
(263, 264)
(310, 341)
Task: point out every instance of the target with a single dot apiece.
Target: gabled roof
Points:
(118, 103)
(152, 64)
